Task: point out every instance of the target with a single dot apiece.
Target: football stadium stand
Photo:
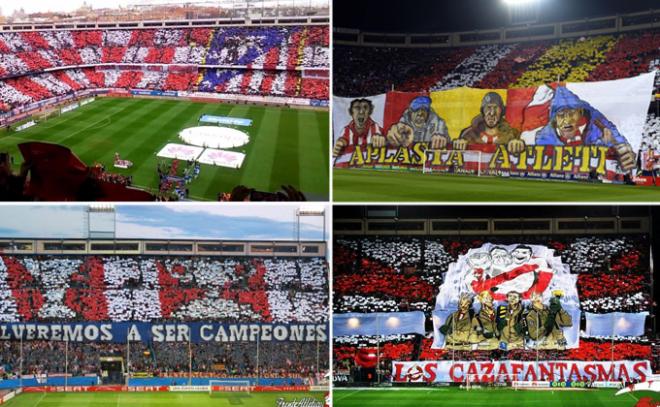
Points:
(493, 66)
(449, 70)
(393, 266)
(202, 287)
(248, 60)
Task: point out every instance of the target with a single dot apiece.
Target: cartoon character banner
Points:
(561, 130)
(507, 297)
(358, 122)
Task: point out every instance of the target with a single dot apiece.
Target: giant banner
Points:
(378, 323)
(616, 324)
(195, 332)
(511, 370)
(507, 297)
(562, 130)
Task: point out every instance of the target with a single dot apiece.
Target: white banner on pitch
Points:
(180, 151)
(222, 158)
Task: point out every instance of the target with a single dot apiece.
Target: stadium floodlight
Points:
(353, 322)
(101, 207)
(393, 322)
(518, 2)
(311, 210)
(623, 324)
(522, 11)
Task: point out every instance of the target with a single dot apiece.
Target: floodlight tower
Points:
(309, 211)
(522, 11)
(101, 221)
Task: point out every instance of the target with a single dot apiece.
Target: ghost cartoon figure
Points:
(501, 260)
(521, 255)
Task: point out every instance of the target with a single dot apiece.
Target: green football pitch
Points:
(391, 186)
(452, 396)
(174, 399)
(287, 146)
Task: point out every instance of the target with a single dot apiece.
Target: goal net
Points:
(475, 381)
(229, 386)
(453, 161)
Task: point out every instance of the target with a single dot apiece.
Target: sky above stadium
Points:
(182, 221)
(433, 16)
(33, 6)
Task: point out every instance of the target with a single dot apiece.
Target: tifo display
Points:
(208, 86)
(563, 131)
(166, 323)
(487, 309)
(489, 111)
(122, 56)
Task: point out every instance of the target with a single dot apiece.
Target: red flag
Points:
(56, 174)
(528, 108)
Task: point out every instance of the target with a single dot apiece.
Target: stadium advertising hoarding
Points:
(26, 125)
(230, 97)
(319, 103)
(235, 121)
(564, 130)
(70, 107)
(140, 92)
(527, 371)
(195, 332)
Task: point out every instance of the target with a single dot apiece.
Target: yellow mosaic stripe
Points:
(570, 60)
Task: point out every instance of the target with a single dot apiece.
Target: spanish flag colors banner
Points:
(460, 106)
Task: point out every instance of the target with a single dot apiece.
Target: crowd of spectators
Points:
(569, 60)
(472, 69)
(165, 288)
(125, 288)
(391, 274)
(404, 273)
(651, 133)
(293, 47)
(27, 89)
(581, 59)
(276, 359)
(250, 60)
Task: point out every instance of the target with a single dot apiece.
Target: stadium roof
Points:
(488, 211)
(446, 16)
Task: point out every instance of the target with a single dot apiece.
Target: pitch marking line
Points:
(345, 396)
(39, 401)
(634, 398)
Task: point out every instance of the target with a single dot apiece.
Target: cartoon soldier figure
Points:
(484, 324)
(544, 324)
(510, 322)
(458, 326)
(491, 127)
(419, 123)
